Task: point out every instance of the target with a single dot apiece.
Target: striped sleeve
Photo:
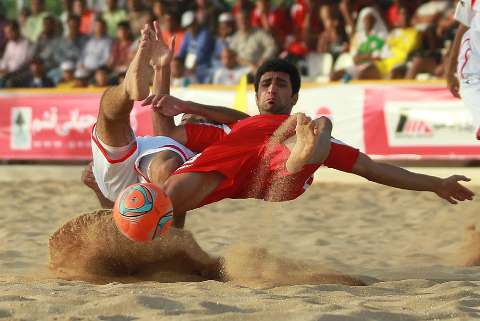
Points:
(200, 136)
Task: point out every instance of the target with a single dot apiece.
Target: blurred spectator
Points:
(242, 5)
(179, 77)
(349, 15)
(400, 43)
(197, 46)
(34, 23)
(306, 22)
(333, 39)
(38, 77)
(66, 12)
(370, 35)
(86, 15)
(70, 47)
(3, 40)
(68, 79)
(273, 20)
(429, 11)
(432, 56)
(226, 29)
(48, 42)
(112, 16)
(18, 52)
(170, 27)
(296, 47)
(98, 48)
(119, 58)
(102, 77)
(137, 15)
(392, 14)
(81, 78)
(231, 71)
(207, 11)
(23, 17)
(253, 46)
(159, 10)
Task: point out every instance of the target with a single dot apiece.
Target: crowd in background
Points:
(90, 43)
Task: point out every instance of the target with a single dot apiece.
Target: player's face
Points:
(274, 94)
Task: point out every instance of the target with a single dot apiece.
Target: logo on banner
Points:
(434, 124)
(21, 129)
(414, 127)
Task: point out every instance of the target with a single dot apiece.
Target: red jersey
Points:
(241, 153)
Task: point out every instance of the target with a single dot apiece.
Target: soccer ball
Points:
(143, 212)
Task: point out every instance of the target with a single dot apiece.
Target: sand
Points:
(410, 248)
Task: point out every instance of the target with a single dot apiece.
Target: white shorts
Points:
(470, 93)
(113, 171)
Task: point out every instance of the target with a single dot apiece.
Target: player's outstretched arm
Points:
(170, 106)
(447, 188)
(452, 80)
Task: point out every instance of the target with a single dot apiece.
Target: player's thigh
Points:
(188, 190)
(113, 122)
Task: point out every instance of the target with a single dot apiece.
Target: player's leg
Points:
(310, 144)
(113, 124)
(188, 190)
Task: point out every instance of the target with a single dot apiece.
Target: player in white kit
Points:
(465, 59)
(119, 157)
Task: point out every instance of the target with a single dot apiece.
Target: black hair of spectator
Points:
(246, 11)
(101, 20)
(124, 24)
(14, 25)
(37, 61)
(103, 68)
(279, 65)
(73, 17)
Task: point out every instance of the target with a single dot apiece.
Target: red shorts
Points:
(249, 172)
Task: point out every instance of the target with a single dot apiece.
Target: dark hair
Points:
(14, 25)
(280, 65)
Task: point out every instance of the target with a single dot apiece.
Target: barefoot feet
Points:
(139, 73)
(312, 144)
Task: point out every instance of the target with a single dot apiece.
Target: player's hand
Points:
(167, 105)
(451, 190)
(453, 85)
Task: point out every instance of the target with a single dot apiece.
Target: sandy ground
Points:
(409, 247)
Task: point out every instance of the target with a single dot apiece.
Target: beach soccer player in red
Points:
(272, 156)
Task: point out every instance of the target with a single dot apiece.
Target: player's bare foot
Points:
(312, 144)
(139, 73)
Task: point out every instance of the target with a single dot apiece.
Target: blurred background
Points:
(376, 67)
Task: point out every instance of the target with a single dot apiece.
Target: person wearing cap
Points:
(81, 78)
(68, 75)
(196, 48)
(226, 29)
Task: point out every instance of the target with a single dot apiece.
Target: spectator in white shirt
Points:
(98, 48)
(18, 52)
(231, 71)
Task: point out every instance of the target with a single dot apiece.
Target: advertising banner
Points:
(385, 121)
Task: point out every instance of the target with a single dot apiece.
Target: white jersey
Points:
(114, 173)
(468, 13)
